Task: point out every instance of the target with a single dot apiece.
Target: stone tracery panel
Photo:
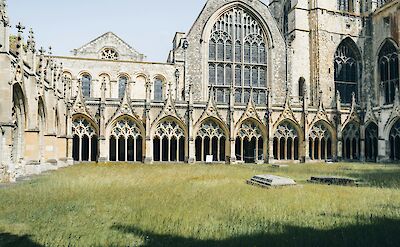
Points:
(211, 140)
(249, 144)
(351, 142)
(169, 142)
(320, 142)
(237, 56)
(85, 141)
(286, 142)
(394, 140)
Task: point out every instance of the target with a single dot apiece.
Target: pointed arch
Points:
(321, 141)
(211, 133)
(347, 68)
(85, 138)
(41, 121)
(351, 141)
(388, 69)
(287, 138)
(394, 141)
(250, 142)
(20, 120)
(371, 141)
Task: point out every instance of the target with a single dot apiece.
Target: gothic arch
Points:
(351, 140)
(347, 70)
(20, 121)
(250, 141)
(231, 68)
(126, 138)
(287, 139)
(388, 57)
(41, 123)
(371, 141)
(169, 137)
(85, 138)
(394, 141)
(212, 138)
(321, 141)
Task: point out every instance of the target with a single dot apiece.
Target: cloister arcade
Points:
(249, 144)
(169, 142)
(85, 140)
(320, 142)
(286, 142)
(211, 140)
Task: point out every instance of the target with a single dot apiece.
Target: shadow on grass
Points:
(10, 240)
(380, 232)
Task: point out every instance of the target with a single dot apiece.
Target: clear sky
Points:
(147, 25)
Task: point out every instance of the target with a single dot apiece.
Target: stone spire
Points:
(31, 41)
(3, 13)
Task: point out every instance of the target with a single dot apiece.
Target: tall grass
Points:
(199, 205)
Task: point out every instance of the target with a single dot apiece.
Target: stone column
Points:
(148, 159)
(191, 143)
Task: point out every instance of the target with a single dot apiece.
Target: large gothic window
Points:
(238, 57)
(126, 141)
(345, 5)
(389, 71)
(249, 143)
(320, 143)
(347, 71)
(394, 140)
(286, 142)
(351, 142)
(122, 82)
(85, 141)
(169, 142)
(210, 140)
(86, 85)
(371, 142)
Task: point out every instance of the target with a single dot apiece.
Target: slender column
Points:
(285, 150)
(242, 150)
(326, 149)
(293, 149)
(202, 150)
(351, 149)
(218, 146)
(126, 149)
(319, 150)
(161, 144)
(134, 149)
(256, 159)
(90, 149)
(210, 147)
(357, 149)
(169, 150)
(117, 149)
(313, 149)
(177, 150)
(80, 149)
(279, 149)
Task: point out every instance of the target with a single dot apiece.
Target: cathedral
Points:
(290, 81)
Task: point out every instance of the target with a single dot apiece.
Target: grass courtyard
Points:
(201, 205)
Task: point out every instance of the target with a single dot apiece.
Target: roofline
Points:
(108, 61)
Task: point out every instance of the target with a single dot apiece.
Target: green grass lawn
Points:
(199, 205)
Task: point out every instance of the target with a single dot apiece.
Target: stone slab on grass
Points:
(334, 180)
(270, 181)
(279, 166)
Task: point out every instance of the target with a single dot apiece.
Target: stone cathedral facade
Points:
(288, 81)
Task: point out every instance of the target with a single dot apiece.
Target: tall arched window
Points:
(126, 141)
(169, 142)
(320, 143)
(122, 82)
(158, 90)
(210, 140)
(347, 70)
(389, 71)
(286, 142)
(249, 143)
(351, 142)
(41, 125)
(394, 140)
(85, 142)
(237, 56)
(86, 85)
(19, 118)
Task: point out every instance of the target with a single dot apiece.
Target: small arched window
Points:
(122, 82)
(345, 5)
(286, 10)
(389, 71)
(86, 85)
(158, 90)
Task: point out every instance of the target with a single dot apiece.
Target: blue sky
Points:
(149, 26)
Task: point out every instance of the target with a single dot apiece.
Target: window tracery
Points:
(125, 141)
(389, 71)
(320, 143)
(109, 54)
(394, 140)
(351, 142)
(84, 140)
(346, 72)
(237, 56)
(345, 5)
(249, 143)
(210, 140)
(286, 142)
(169, 142)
